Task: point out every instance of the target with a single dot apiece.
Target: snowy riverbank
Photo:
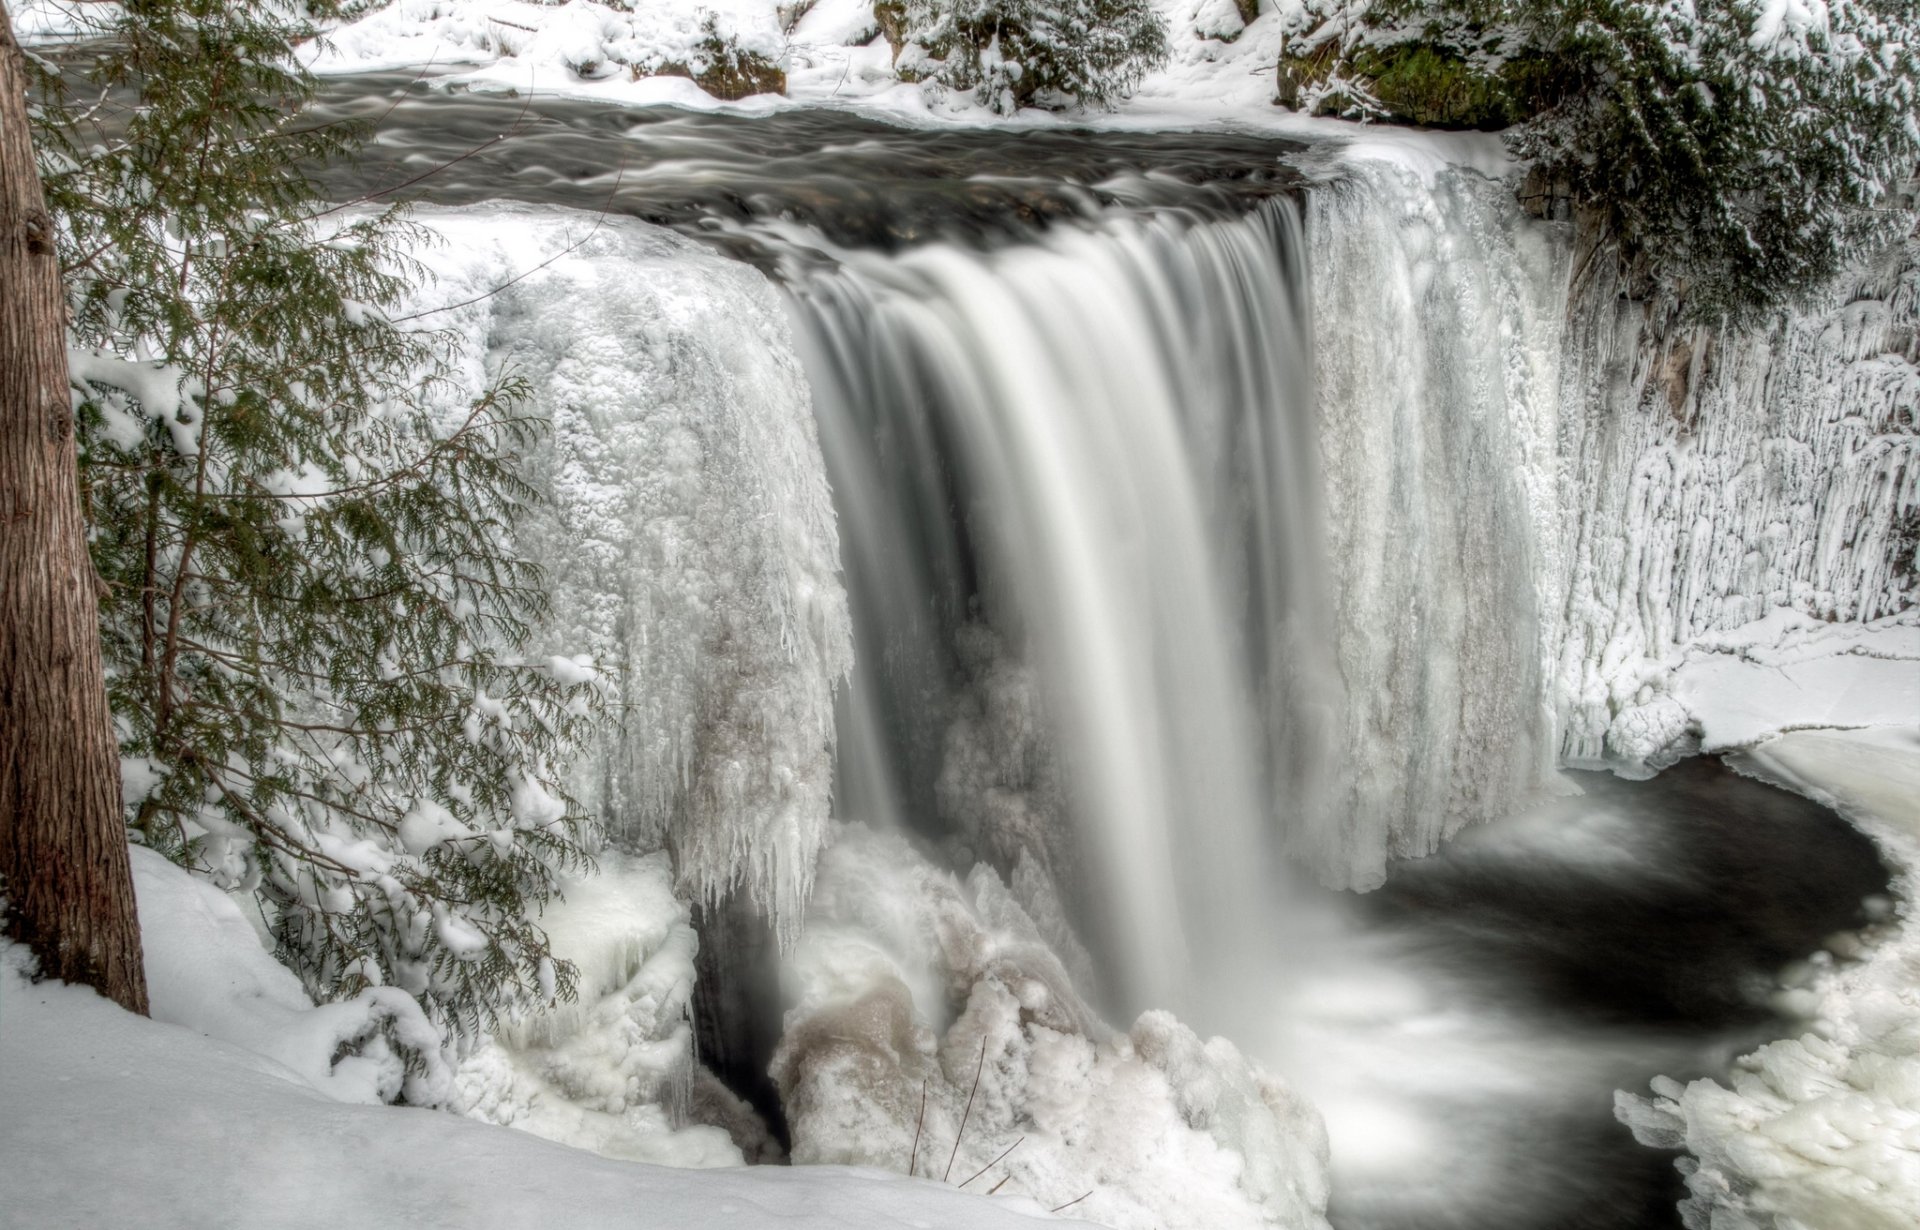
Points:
(113, 1120)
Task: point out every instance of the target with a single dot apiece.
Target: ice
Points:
(910, 981)
(689, 545)
(1822, 1131)
(1437, 334)
(611, 1071)
(1729, 493)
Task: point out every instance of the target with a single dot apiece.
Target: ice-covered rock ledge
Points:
(1822, 1131)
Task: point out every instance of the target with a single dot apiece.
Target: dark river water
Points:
(1511, 983)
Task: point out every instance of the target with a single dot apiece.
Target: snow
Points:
(46, 21)
(1789, 671)
(1821, 1131)
(933, 1028)
(113, 1120)
(834, 56)
(208, 971)
(689, 541)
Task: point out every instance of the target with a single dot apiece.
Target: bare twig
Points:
(1069, 1204)
(966, 1114)
(995, 1162)
(995, 1189)
(913, 1158)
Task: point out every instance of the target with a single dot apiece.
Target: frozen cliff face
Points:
(1562, 525)
(689, 543)
(1715, 481)
(934, 1031)
(1437, 339)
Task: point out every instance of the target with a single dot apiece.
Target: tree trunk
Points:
(63, 843)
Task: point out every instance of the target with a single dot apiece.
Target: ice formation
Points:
(1820, 1131)
(1715, 480)
(1437, 336)
(1662, 513)
(613, 1070)
(689, 542)
(911, 982)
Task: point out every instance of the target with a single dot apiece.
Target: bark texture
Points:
(64, 869)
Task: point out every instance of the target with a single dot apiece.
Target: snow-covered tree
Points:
(313, 608)
(1745, 150)
(1018, 53)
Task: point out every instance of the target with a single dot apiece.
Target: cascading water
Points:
(1098, 446)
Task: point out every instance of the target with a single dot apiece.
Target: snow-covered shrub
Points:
(1741, 152)
(1017, 53)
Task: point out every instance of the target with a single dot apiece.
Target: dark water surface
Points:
(854, 181)
(1645, 927)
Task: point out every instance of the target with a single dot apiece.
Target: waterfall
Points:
(1253, 620)
(1097, 447)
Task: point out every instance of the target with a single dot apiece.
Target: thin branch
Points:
(430, 172)
(1069, 1204)
(995, 1162)
(913, 1158)
(966, 1114)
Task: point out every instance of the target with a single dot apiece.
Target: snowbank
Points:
(1820, 1132)
(113, 1120)
(933, 1030)
(208, 970)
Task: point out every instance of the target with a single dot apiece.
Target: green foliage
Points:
(1744, 156)
(312, 603)
(1017, 53)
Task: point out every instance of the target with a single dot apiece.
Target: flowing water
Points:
(1198, 523)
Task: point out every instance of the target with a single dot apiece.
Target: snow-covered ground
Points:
(1822, 1131)
(114, 1120)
